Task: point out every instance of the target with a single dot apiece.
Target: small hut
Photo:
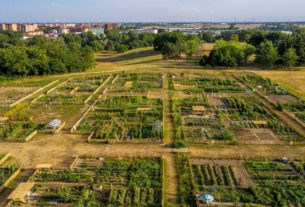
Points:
(157, 128)
(54, 124)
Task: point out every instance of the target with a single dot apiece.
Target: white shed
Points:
(54, 124)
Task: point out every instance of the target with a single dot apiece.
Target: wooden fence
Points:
(12, 177)
(32, 94)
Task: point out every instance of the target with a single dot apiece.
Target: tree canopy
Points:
(41, 56)
(173, 44)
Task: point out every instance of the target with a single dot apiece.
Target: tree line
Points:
(42, 56)
(66, 53)
(270, 48)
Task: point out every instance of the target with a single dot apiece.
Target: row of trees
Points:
(270, 48)
(121, 43)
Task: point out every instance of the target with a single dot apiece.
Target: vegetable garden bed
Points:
(136, 83)
(273, 183)
(103, 182)
(118, 118)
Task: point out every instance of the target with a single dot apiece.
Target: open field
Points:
(122, 124)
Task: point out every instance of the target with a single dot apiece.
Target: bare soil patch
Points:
(239, 172)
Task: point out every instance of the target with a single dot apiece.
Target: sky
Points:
(151, 10)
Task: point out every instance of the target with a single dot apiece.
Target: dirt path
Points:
(171, 186)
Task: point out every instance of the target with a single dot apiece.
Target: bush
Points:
(180, 144)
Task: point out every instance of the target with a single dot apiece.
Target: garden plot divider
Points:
(73, 129)
(36, 99)
(50, 131)
(26, 139)
(59, 85)
(32, 94)
(292, 116)
(115, 79)
(74, 163)
(3, 159)
(244, 142)
(98, 89)
(12, 177)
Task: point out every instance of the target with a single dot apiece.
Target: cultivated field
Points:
(137, 130)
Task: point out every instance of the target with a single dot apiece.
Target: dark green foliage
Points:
(173, 44)
(266, 54)
(41, 56)
(226, 53)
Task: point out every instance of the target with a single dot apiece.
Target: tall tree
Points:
(266, 54)
(290, 57)
(249, 50)
(207, 37)
(227, 53)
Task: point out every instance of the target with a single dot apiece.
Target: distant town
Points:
(54, 30)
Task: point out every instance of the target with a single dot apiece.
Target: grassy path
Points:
(171, 186)
(168, 119)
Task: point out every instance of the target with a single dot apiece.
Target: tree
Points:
(290, 58)
(266, 54)
(113, 35)
(191, 47)
(57, 66)
(122, 48)
(227, 53)
(170, 50)
(204, 61)
(173, 44)
(207, 37)
(249, 50)
(14, 61)
(234, 37)
(257, 38)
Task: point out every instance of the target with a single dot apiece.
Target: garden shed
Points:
(54, 124)
(157, 128)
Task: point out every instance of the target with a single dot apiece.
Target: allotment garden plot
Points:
(18, 123)
(247, 114)
(124, 118)
(7, 169)
(13, 92)
(134, 84)
(66, 100)
(271, 183)
(276, 94)
(196, 118)
(194, 83)
(218, 108)
(101, 182)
